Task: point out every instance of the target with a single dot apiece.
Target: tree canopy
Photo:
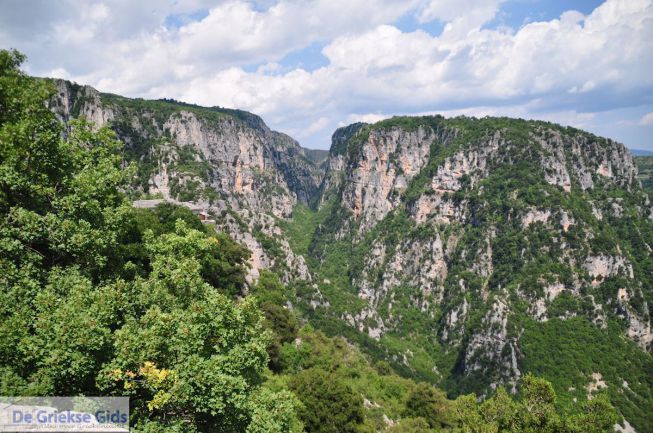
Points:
(101, 299)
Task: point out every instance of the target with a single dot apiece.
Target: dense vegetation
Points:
(98, 298)
(645, 167)
(570, 345)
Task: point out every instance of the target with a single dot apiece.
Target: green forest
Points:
(99, 298)
(645, 167)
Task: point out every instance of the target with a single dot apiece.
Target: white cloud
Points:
(58, 73)
(646, 119)
(238, 32)
(564, 69)
(382, 48)
(92, 41)
(318, 125)
(461, 16)
(451, 10)
(539, 62)
(366, 118)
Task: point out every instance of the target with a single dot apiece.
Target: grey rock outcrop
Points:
(227, 162)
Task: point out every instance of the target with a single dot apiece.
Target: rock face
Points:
(465, 232)
(490, 344)
(372, 181)
(226, 162)
(372, 185)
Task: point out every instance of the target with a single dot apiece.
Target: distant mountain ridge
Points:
(318, 156)
(645, 169)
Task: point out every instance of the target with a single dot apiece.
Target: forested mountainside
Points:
(423, 254)
(645, 168)
(227, 162)
(471, 251)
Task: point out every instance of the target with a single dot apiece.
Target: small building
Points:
(205, 217)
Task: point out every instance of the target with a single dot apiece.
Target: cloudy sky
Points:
(308, 67)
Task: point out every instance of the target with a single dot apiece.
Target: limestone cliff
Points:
(225, 162)
(471, 234)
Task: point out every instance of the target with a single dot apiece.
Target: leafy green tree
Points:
(223, 268)
(597, 416)
(274, 412)
(411, 425)
(501, 410)
(60, 210)
(188, 349)
(283, 324)
(430, 404)
(539, 412)
(72, 334)
(79, 316)
(468, 418)
(167, 214)
(536, 411)
(383, 367)
(268, 288)
(60, 198)
(330, 405)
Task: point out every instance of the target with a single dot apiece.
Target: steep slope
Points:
(471, 251)
(227, 163)
(318, 156)
(466, 252)
(645, 168)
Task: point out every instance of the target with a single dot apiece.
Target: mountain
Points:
(471, 251)
(645, 171)
(318, 156)
(464, 252)
(225, 162)
(641, 152)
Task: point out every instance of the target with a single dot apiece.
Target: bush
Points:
(330, 405)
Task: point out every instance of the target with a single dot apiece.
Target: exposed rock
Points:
(600, 267)
(455, 320)
(566, 221)
(598, 214)
(639, 328)
(626, 428)
(367, 321)
(595, 384)
(488, 345)
(536, 216)
(437, 208)
(555, 162)
(389, 160)
(72, 101)
(249, 170)
(553, 290)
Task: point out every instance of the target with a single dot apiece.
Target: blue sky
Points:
(308, 67)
